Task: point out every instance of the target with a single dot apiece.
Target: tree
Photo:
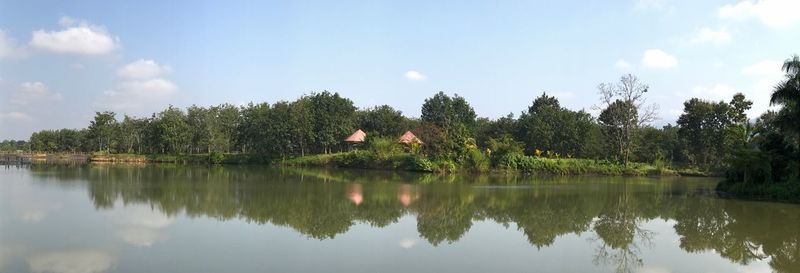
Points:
(382, 121)
(631, 110)
(101, 130)
(547, 126)
(333, 118)
(446, 112)
(173, 130)
(713, 130)
(619, 121)
(787, 94)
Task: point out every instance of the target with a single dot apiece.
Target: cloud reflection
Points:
(140, 226)
(86, 261)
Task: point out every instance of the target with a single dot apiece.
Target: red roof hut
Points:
(356, 137)
(409, 138)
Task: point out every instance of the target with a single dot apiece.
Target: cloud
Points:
(75, 38)
(650, 4)
(141, 84)
(408, 243)
(30, 92)
(622, 64)
(134, 94)
(710, 36)
(715, 92)
(143, 69)
(413, 75)
(657, 58)
(14, 116)
(773, 13)
(766, 68)
(84, 261)
(9, 49)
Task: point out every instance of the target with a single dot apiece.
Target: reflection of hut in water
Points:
(407, 195)
(355, 194)
(356, 138)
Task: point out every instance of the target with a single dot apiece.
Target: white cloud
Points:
(766, 68)
(29, 92)
(14, 116)
(142, 85)
(137, 93)
(710, 36)
(9, 47)
(622, 64)
(773, 13)
(414, 75)
(657, 58)
(84, 261)
(650, 4)
(75, 38)
(715, 92)
(143, 69)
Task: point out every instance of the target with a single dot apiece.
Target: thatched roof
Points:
(409, 137)
(358, 136)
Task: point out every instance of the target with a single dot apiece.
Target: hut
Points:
(356, 137)
(409, 138)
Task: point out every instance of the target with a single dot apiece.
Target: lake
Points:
(177, 218)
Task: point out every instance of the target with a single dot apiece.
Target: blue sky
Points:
(62, 60)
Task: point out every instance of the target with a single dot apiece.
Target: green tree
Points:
(334, 119)
(619, 123)
(446, 112)
(382, 121)
(101, 130)
(547, 126)
(173, 130)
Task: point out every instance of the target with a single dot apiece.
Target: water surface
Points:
(172, 218)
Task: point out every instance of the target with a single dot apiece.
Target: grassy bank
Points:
(213, 158)
(516, 163)
(417, 163)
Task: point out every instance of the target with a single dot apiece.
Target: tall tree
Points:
(549, 127)
(619, 122)
(787, 94)
(446, 112)
(630, 109)
(334, 118)
(173, 130)
(382, 121)
(101, 130)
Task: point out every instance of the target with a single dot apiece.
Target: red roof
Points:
(358, 136)
(409, 137)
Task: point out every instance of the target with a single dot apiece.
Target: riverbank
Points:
(783, 192)
(417, 163)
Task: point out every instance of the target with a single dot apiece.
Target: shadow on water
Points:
(322, 204)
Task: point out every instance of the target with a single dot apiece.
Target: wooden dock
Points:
(24, 158)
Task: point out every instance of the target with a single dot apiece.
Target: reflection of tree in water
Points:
(620, 235)
(321, 205)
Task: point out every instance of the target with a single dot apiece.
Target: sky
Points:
(61, 61)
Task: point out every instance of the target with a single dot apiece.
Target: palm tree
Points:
(787, 93)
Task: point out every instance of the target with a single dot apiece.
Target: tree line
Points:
(705, 134)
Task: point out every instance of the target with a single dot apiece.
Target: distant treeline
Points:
(706, 134)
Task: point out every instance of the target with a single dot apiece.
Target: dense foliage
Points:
(454, 137)
(768, 165)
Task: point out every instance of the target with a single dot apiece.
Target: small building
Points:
(410, 138)
(357, 137)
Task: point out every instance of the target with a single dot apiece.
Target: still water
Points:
(170, 218)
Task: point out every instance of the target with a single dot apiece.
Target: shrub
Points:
(216, 157)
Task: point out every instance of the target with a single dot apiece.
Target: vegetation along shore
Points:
(758, 157)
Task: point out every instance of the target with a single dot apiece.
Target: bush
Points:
(216, 157)
(417, 163)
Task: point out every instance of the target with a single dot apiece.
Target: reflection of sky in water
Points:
(60, 229)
